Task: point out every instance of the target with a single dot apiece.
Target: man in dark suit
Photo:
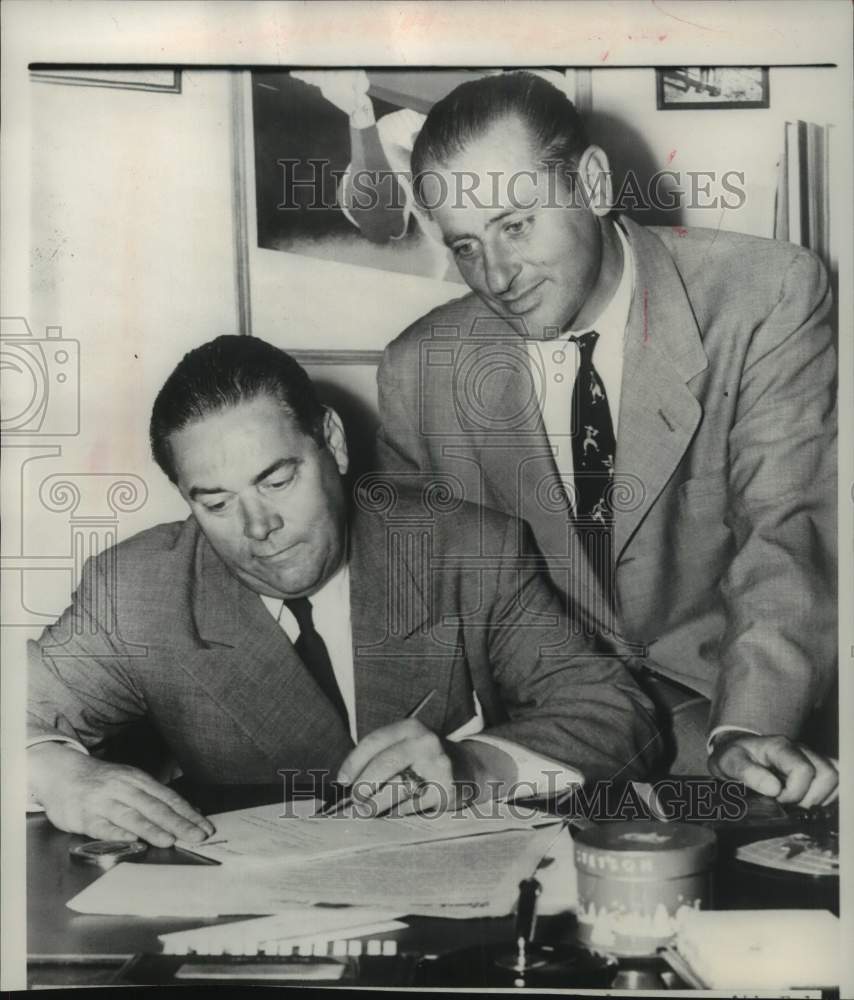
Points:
(657, 404)
(286, 627)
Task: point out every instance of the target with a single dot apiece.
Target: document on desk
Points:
(463, 877)
(263, 834)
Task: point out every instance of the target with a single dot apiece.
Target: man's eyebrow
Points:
(449, 240)
(281, 463)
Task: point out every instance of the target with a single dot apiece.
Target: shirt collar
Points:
(333, 591)
(612, 321)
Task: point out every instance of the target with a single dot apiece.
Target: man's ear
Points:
(594, 174)
(336, 439)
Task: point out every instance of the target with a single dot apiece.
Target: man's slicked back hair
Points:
(557, 132)
(226, 372)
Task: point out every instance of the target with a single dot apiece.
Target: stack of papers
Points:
(451, 865)
(263, 834)
(310, 931)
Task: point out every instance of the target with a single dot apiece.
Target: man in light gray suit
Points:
(285, 627)
(658, 405)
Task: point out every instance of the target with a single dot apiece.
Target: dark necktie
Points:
(593, 451)
(311, 649)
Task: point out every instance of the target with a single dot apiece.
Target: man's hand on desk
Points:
(451, 772)
(775, 766)
(81, 794)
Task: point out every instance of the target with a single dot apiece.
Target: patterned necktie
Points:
(311, 649)
(593, 451)
(593, 443)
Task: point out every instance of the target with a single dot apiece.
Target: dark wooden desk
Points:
(68, 948)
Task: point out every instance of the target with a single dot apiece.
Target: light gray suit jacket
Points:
(443, 596)
(725, 466)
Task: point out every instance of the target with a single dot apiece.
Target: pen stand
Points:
(541, 966)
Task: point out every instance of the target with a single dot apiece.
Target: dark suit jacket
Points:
(725, 514)
(452, 600)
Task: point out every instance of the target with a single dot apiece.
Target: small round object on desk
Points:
(633, 880)
(106, 853)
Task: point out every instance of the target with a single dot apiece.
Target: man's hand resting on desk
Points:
(81, 794)
(451, 773)
(775, 766)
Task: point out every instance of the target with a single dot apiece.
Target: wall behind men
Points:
(132, 255)
(626, 123)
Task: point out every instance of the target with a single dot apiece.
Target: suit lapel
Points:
(658, 413)
(515, 455)
(246, 663)
(396, 658)
(502, 391)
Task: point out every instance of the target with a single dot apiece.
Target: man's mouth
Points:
(523, 303)
(280, 554)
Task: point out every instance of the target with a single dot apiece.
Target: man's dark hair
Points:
(470, 110)
(225, 372)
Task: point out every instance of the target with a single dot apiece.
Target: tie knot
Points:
(300, 608)
(586, 342)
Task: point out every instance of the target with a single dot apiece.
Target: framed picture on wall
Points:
(331, 158)
(689, 87)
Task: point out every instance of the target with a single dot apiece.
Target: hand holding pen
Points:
(406, 750)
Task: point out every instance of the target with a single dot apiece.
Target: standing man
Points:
(658, 404)
(287, 625)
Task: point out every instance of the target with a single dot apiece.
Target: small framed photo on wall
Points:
(683, 87)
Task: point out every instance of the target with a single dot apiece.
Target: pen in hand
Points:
(333, 808)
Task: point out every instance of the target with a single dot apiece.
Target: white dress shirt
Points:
(554, 364)
(331, 617)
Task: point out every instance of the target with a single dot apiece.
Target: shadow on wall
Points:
(634, 170)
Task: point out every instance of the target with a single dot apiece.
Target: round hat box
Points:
(634, 878)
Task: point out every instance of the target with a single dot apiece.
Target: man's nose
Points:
(501, 267)
(260, 520)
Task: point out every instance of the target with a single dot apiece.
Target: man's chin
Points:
(280, 587)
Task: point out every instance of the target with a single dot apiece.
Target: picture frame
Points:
(681, 88)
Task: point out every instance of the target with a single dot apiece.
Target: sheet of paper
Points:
(762, 949)
(795, 852)
(144, 890)
(456, 878)
(281, 933)
(263, 834)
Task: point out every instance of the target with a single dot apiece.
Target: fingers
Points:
(825, 785)
(151, 818)
(424, 755)
(103, 829)
(736, 762)
(111, 801)
(177, 805)
(376, 769)
(794, 768)
(375, 743)
(778, 767)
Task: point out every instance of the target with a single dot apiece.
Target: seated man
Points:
(286, 625)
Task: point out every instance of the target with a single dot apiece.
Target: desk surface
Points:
(63, 937)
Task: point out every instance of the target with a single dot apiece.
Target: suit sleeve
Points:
(779, 647)
(560, 699)
(400, 445)
(80, 683)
